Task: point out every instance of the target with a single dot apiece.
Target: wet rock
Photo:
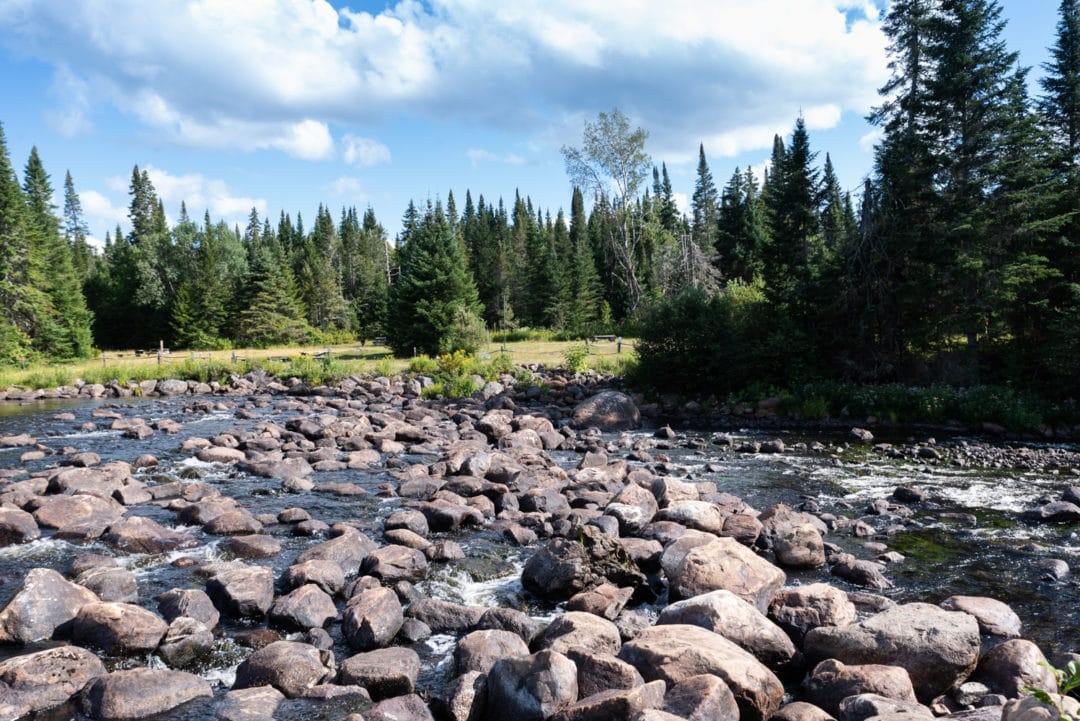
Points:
(938, 648)
(218, 454)
(17, 526)
(995, 618)
(575, 629)
(45, 679)
(327, 575)
(605, 600)
(799, 546)
(118, 628)
(401, 708)
(43, 608)
(140, 692)
(614, 704)
(602, 672)
(1054, 512)
(110, 583)
(241, 591)
(391, 564)
(674, 653)
(139, 534)
(1010, 667)
(63, 512)
(1030, 708)
(702, 697)
(832, 681)
(190, 602)
(446, 516)
(259, 703)
(802, 608)
(531, 688)
(233, 523)
(305, 607)
(464, 697)
(479, 650)
(347, 550)
(609, 411)
(724, 613)
(256, 545)
(446, 616)
(564, 567)
(859, 572)
(289, 666)
(801, 711)
(509, 619)
(371, 619)
(186, 643)
(864, 706)
(724, 563)
(698, 515)
(384, 672)
(408, 519)
(1051, 569)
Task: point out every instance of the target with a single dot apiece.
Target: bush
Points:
(576, 358)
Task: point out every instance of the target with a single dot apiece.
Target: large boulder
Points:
(394, 563)
(288, 666)
(384, 672)
(995, 618)
(139, 534)
(1013, 666)
(347, 550)
(191, 602)
(674, 653)
(602, 672)
(608, 411)
(80, 511)
(49, 678)
(531, 688)
(576, 629)
(614, 704)
(724, 563)
(110, 583)
(725, 613)
(802, 608)
(938, 648)
(1029, 708)
(186, 643)
(832, 681)
(305, 607)
(140, 692)
(372, 618)
(259, 703)
(242, 591)
(43, 608)
(702, 697)
(17, 526)
(479, 650)
(118, 628)
(564, 567)
(799, 546)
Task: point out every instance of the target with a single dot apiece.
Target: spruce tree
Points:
(20, 303)
(704, 205)
(76, 231)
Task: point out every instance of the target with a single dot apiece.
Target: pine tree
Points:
(63, 326)
(704, 205)
(793, 221)
(434, 299)
(76, 231)
(20, 302)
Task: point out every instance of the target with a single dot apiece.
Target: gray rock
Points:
(140, 692)
(832, 681)
(602, 672)
(1030, 708)
(938, 648)
(479, 650)
(605, 600)
(869, 705)
(724, 563)
(241, 591)
(305, 607)
(17, 526)
(327, 575)
(190, 602)
(575, 629)
(446, 616)
(110, 583)
(799, 609)
(391, 564)
(799, 546)
(118, 628)
(384, 672)
(44, 607)
(464, 697)
(608, 411)
(48, 678)
(1011, 667)
(614, 704)
(138, 534)
(702, 698)
(371, 619)
(259, 703)
(995, 618)
(186, 643)
(531, 688)
(401, 708)
(288, 666)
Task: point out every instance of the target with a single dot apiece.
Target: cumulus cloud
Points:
(479, 155)
(364, 151)
(279, 74)
(200, 193)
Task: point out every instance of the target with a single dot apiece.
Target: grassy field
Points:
(305, 362)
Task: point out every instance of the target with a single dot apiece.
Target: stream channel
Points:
(994, 556)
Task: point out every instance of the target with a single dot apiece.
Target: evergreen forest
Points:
(956, 263)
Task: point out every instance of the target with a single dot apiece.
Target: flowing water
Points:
(946, 553)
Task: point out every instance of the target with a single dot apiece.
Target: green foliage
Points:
(576, 358)
(384, 368)
(1068, 681)
(423, 365)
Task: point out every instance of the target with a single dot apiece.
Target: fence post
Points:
(103, 363)
(160, 351)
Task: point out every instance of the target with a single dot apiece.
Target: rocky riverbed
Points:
(268, 550)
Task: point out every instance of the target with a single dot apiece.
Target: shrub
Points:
(576, 358)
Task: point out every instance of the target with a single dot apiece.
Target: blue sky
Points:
(285, 104)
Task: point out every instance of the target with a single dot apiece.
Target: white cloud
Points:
(100, 213)
(868, 141)
(200, 193)
(479, 155)
(278, 74)
(351, 188)
(364, 151)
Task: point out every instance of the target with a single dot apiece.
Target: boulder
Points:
(938, 648)
(1029, 708)
(602, 672)
(288, 666)
(609, 411)
(371, 619)
(725, 613)
(698, 515)
(605, 600)
(614, 704)
(327, 575)
(464, 697)
(724, 563)
(1011, 667)
(675, 652)
(564, 567)
(801, 711)
(384, 672)
(241, 591)
(81, 510)
(48, 678)
(799, 609)
(219, 454)
(110, 583)
(140, 692)
(259, 703)
(995, 618)
(865, 706)
(702, 698)
(118, 628)
(347, 550)
(860, 572)
(447, 616)
(391, 564)
(575, 629)
(530, 688)
(43, 608)
(401, 708)
(190, 602)
(479, 650)
(305, 607)
(255, 545)
(17, 526)
(138, 534)
(832, 681)
(186, 642)
(799, 546)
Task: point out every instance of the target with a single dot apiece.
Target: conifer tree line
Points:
(956, 262)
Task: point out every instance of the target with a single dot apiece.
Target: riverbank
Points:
(275, 545)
